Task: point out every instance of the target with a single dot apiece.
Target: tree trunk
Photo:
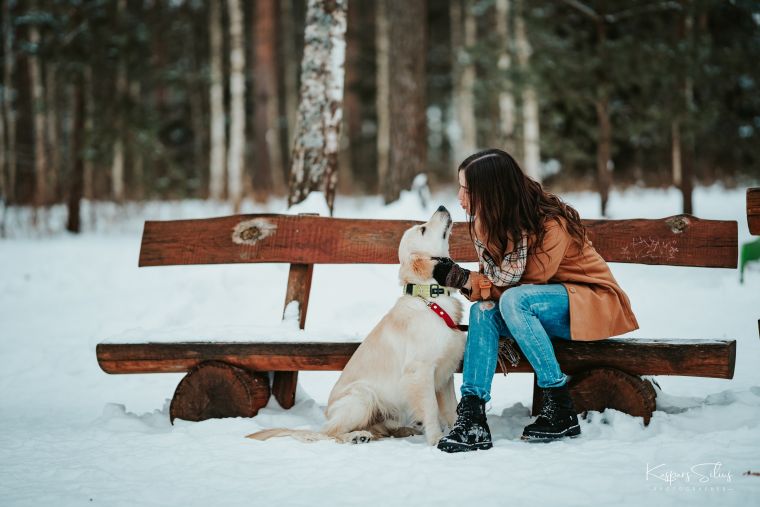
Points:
(320, 111)
(138, 161)
(604, 142)
(531, 135)
(267, 170)
(53, 132)
(408, 122)
(236, 154)
(76, 182)
(117, 163)
(603, 149)
(688, 101)
(352, 102)
(463, 37)
(383, 92)
(217, 155)
(8, 104)
(506, 98)
(289, 82)
(38, 106)
(89, 111)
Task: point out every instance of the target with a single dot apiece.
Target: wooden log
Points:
(753, 210)
(602, 388)
(681, 240)
(697, 358)
(214, 389)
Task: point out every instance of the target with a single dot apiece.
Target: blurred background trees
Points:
(150, 99)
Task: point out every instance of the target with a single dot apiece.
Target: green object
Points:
(750, 252)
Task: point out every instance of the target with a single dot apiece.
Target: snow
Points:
(71, 434)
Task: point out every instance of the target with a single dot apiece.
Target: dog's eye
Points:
(423, 230)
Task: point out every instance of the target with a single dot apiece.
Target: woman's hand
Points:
(450, 274)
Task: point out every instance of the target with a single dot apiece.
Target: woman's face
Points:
(463, 194)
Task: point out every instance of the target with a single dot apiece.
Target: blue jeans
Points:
(528, 313)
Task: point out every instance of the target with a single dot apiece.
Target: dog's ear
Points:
(422, 266)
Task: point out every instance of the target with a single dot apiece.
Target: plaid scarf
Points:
(512, 266)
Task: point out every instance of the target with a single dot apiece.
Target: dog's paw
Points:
(433, 437)
(357, 437)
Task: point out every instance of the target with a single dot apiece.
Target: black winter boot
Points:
(557, 418)
(470, 431)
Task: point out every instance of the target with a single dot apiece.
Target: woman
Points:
(539, 277)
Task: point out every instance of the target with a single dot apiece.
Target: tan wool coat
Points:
(599, 308)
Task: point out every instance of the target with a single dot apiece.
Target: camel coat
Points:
(599, 308)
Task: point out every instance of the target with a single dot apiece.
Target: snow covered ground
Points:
(72, 435)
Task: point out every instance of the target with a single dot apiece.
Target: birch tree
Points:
(320, 110)
(38, 106)
(218, 142)
(383, 92)
(506, 97)
(236, 154)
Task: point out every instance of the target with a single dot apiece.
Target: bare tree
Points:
(267, 170)
(76, 180)
(117, 164)
(8, 101)
(463, 138)
(236, 154)
(320, 110)
(408, 122)
(217, 157)
(383, 92)
(506, 97)
(53, 131)
(531, 136)
(38, 106)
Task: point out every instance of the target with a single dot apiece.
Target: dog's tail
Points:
(302, 435)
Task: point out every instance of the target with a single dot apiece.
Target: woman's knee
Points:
(514, 301)
(483, 312)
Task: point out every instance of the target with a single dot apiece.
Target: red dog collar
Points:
(441, 313)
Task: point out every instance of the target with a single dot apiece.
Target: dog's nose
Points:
(442, 208)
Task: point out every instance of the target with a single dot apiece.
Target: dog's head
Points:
(421, 242)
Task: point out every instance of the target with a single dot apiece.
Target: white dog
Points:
(402, 373)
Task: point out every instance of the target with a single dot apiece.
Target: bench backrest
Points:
(681, 240)
(305, 240)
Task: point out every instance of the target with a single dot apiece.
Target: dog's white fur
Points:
(402, 373)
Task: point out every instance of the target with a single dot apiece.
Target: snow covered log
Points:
(697, 358)
(215, 389)
(680, 240)
(601, 388)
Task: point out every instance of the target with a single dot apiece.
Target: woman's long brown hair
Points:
(507, 203)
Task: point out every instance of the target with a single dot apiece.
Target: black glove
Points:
(450, 274)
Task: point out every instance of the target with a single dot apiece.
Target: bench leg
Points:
(284, 388)
(601, 388)
(215, 389)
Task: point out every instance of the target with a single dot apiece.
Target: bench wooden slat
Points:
(708, 358)
(681, 240)
(753, 210)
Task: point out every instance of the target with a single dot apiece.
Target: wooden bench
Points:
(231, 379)
(753, 223)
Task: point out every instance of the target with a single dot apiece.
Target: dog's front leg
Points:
(419, 386)
(447, 403)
